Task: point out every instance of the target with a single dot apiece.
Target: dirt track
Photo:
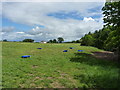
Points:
(105, 55)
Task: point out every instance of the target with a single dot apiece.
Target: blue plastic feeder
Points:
(65, 51)
(25, 56)
(39, 48)
(71, 48)
(80, 50)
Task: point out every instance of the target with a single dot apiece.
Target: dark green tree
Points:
(54, 41)
(87, 40)
(112, 18)
(5, 40)
(100, 37)
(50, 41)
(73, 41)
(28, 40)
(111, 12)
(60, 39)
(89, 33)
(77, 41)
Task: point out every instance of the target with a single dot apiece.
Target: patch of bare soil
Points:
(105, 55)
(34, 66)
(57, 85)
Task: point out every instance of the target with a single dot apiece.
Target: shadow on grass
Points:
(91, 60)
(104, 77)
(98, 81)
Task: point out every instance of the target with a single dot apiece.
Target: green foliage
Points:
(113, 41)
(5, 40)
(60, 39)
(87, 40)
(50, 41)
(111, 12)
(55, 41)
(77, 41)
(28, 40)
(73, 41)
(100, 37)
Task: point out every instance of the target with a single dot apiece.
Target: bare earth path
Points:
(105, 55)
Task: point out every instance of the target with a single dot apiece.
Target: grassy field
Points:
(50, 67)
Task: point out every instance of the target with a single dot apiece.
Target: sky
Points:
(43, 21)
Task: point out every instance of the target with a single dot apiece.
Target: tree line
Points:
(58, 40)
(107, 38)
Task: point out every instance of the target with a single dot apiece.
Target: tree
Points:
(60, 39)
(112, 41)
(28, 40)
(111, 12)
(54, 41)
(87, 40)
(73, 41)
(89, 33)
(50, 41)
(5, 40)
(100, 37)
(77, 41)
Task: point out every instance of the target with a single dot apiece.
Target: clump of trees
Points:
(96, 39)
(58, 40)
(53, 41)
(77, 41)
(28, 40)
(107, 38)
(5, 40)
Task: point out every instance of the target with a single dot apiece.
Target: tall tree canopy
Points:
(87, 40)
(28, 40)
(111, 12)
(60, 39)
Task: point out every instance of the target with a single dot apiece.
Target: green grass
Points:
(50, 67)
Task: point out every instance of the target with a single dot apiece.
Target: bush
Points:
(28, 40)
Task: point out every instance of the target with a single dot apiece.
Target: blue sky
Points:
(64, 15)
(45, 21)
(7, 23)
(18, 26)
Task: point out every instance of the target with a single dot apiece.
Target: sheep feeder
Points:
(65, 51)
(71, 47)
(39, 48)
(25, 56)
(80, 50)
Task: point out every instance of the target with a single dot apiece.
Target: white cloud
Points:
(15, 36)
(34, 31)
(36, 14)
(88, 19)
(20, 32)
